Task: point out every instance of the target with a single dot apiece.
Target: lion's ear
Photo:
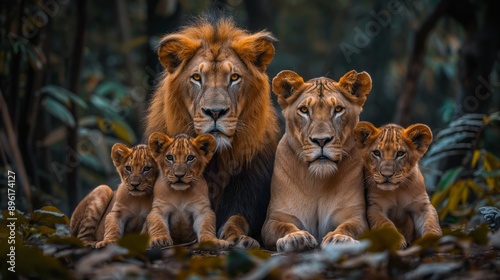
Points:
(285, 84)
(206, 144)
(420, 135)
(158, 142)
(119, 152)
(257, 49)
(357, 84)
(364, 134)
(174, 49)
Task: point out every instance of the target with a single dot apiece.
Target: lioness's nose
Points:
(321, 141)
(215, 113)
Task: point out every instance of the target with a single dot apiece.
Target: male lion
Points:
(395, 186)
(317, 192)
(215, 82)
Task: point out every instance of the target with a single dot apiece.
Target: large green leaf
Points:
(63, 95)
(49, 216)
(60, 111)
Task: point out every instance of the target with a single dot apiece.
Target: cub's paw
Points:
(337, 238)
(296, 242)
(402, 243)
(213, 243)
(161, 241)
(104, 243)
(242, 242)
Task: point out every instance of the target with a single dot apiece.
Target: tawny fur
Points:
(217, 66)
(103, 216)
(396, 192)
(314, 199)
(181, 207)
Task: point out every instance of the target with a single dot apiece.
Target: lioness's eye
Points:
(400, 154)
(146, 168)
(376, 153)
(235, 77)
(190, 158)
(196, 77)
(128, 168)
(339, 109)
(170, 157)
(303, 109)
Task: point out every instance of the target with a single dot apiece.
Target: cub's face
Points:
(181, 159)
(321, 115)
(136, 167)
(391, 152)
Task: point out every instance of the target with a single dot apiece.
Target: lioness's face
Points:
(136, 167)
(391, 152)
(320, 116)
(181, 159)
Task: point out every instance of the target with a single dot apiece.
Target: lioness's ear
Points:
(118, 153)
(364, 134)
(420, 135)
(357, 84)
(174, 49)
(285, 84)
(158, 142)
(206, 144)
(257, 49)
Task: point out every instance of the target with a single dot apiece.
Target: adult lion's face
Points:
(391, 152)
(321, 115)
(219, 72)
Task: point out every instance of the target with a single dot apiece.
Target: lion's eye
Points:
(196, 77)
(190, 158)
(400, 154)
(304, 110)
(170, 157)
(128, 168)
(235, 77)
(339, 109)
(146, 169)
(376, 153)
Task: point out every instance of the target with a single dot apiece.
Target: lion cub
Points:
(104, 215)
(181, 208)
(395, 186)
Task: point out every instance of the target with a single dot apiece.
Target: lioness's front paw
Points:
(337, 238)
(296, 242)
(161, 241)
(104, 243)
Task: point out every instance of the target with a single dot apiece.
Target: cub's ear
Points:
(364, 134)
(420, 135)
(118, 153)
(206, 144)
(358, 85)
(257, 49)
(285, 84)
(174, 49)
(158, 142)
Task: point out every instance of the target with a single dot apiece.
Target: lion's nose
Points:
(179, 175)
(215, 113)
(321, 141)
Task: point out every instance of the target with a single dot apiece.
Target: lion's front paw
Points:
(213, 243)
(161, 241)
(296, 242)
(337, 238)
(104, 243)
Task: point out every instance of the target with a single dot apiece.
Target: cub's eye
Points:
(339, 109)
(190, 158)
(376, 153)
(235, 77)
(196, 77)
(128, 168)
(146, 168)
(304, 110)
(400, 154)
(170, 157)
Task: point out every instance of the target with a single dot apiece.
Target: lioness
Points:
(317, 192)
(395, 186)
(181, 207)
(215, 82)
